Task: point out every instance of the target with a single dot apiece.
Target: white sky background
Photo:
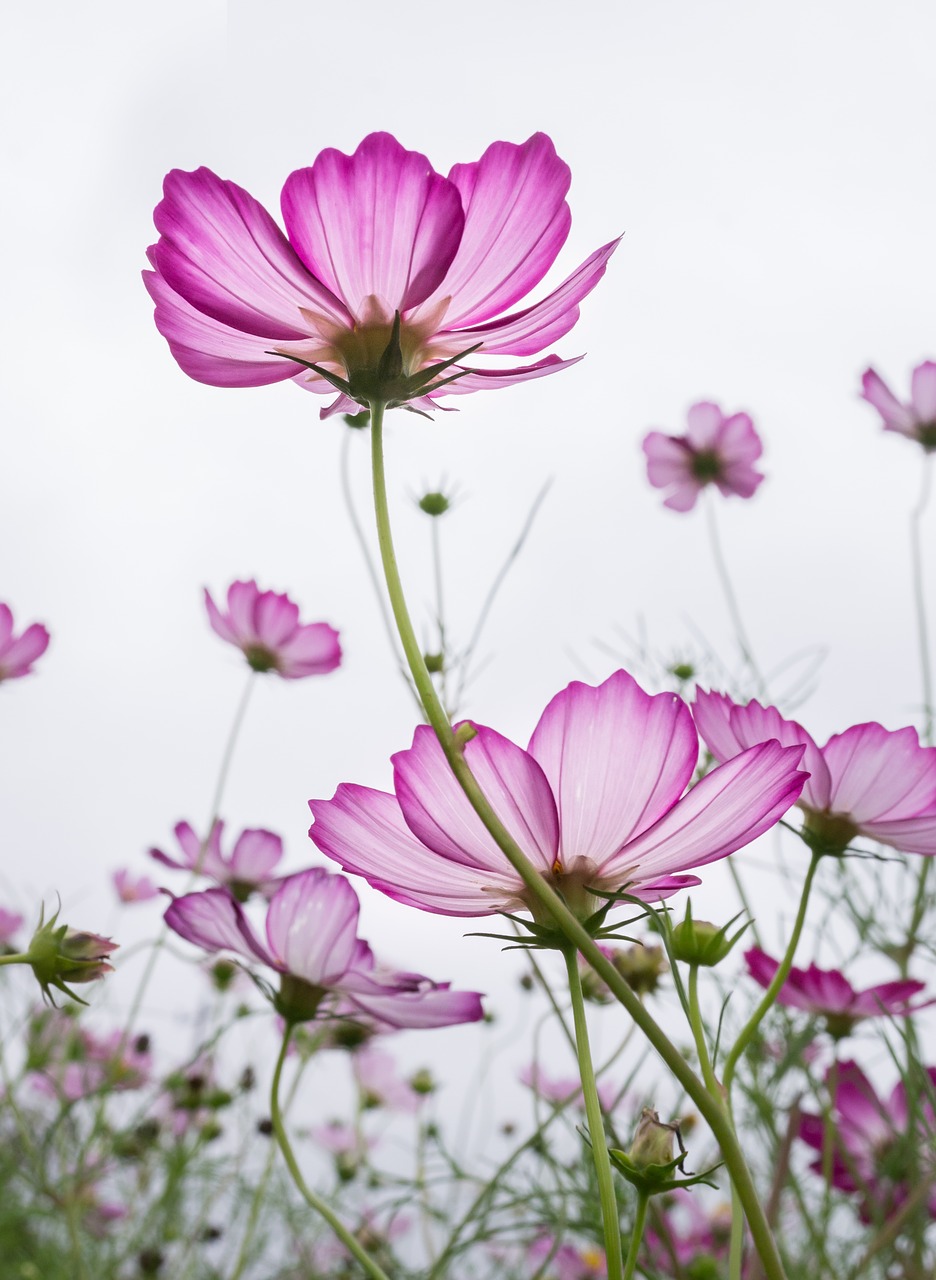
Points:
(772, 169)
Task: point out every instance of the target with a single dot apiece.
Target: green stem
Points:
(731, 600)
(539, 890)
(750, 1027)
(640, 1219)
(596, 1131)
(312, 1200)
(21, 957)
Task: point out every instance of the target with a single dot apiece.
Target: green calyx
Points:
(828, 834)
(701, 943)
(59, 954)
(649, 1165)
(297, 1000)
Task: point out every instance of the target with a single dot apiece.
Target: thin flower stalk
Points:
(570, 926)
(731, 600)
(636, 1236)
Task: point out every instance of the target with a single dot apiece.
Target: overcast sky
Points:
(771, 169)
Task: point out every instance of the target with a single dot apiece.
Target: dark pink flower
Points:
(916, 420)
(265, 627)
(18, 653)
(827, 993)
(596, 802)
(248, 867)
(867, 781)
(133, 888)
(880, 1148)
(312, 943)
(367, 236)
(715, 450)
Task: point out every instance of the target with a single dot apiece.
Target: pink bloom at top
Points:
(312, 943)
(867, 781)
(715, 450)
(265, 627)
(916, 420)
(133, 888)
(878, 1152)
(594, 802)
(367, 236)
(248, 867)
(18, 653)
(827, 993)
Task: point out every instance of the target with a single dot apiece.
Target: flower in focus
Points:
(133, 888)
(916, 420)
(715, 450)
(867, 781)
(596, 803)
(265, 627)
(18, 653)
(60, 954)
(881, 1149)
(312, 943)
(828, 994)
(370, 237)
(247, 868)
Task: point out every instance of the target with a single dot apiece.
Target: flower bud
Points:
(434, 504)
(653, 1141)
(422, 1082)
(58, 954)
(700, 942)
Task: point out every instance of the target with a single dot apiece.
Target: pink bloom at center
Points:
(595, 802)
(916, 420)
(369, 235)
(248, 867)
(18, 653)
(265, 627)
(716, 449)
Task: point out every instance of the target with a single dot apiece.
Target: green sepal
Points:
(655, 1179)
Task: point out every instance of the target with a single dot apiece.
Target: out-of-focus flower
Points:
(867, 781)
(18, 653)
(916, 420)
(381, 1084)
(265, 627)
(371, 236)
(59, 954)
(881, 1150)
(716, 449)
(10, 924)
(828, 994)
(312, 943)
(248, 867)
(562, 1089)
(642, 968)
(133, 888)
(594, 802)
(564, 1261)
(692, 1238)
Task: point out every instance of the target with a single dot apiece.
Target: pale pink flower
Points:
(10, 924)
(827, 993)
(566, 1261)
(133, 888)
(867, 781)
(369, 235)
(312, 943)
(692, 1234)
(716, 449)
(915, 420)
(265, 627)
(338, 1138)
(18, 653)
(381, 1084)
(248, 867)
(596, 803)
(563, 1089)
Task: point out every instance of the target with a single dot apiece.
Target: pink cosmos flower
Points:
(691, 1235)
(312, 943)
(367, 236)
(916, 420)
(881, 1148)
(563, 1089)
(565, 1261)
(827, 993)
(133, 888)
(266, 628)
(18, 653)
(248, 867)
(381, 1084)
(867, 781)
(715, 450)
(596, 802)
(10, 924)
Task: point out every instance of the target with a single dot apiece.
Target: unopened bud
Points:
(653, 1141)
(59, 954)
(434, 504)
(701, 943)
(422, 1082)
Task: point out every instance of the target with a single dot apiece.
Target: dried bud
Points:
(653, 1141)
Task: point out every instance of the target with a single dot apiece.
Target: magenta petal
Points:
(219, 623)
(889, 998)
(880, 776)
(435, 1007)
(704, 425)
(439, 814)
(491, 379)
(312, 926)
(516, 221)
(26, 648)
(213, 921)
(923, 392)
(378, 223)
(726, 810)
(616, 760)
(255, 855)
(897, 417)
(669, 460)
(313, 650)
(363, 830)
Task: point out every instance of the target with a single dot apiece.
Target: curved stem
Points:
(570, 926)
(731, 600)
(640, 1219)
(609, 1208)
(919, 598)
(770, 995)
(314, 1201)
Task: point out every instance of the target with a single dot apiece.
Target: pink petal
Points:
(255, 855)
(312, 926)
(910, 835)
(880, 776)
(377, 223)
(669, 460)
(727, 809)
(738, 441)
(889, 998)
(684, 496)
(25, 649)
(222, 252)
(219, 622)
(313, 650)
(923, 392)
(275, 619)
(616, 760)
(436, 1007)
(730, 728)
(491, 379)
(704, 425)
(528, 331)
(213, 921)
(516, 221)
(897, 417)
(364, 831)
(438, 813)
(242, 599)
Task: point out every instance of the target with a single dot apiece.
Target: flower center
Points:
(260, 658)
(706, 465)
(828, 833)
